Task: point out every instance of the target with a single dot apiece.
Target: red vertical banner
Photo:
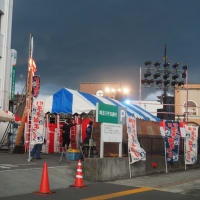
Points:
(52, 128)
(73, 136)
(85, 123)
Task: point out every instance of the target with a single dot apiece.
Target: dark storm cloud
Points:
(105, 40)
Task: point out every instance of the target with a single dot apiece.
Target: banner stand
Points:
(46, 149)
(90, 144)
(91, 141)
(30, 132)
(166, 170)
(129, 162)
(185, 152)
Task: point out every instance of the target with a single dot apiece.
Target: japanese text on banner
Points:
(137, 153)
(37, 123)
(191, 145)
(172, 140)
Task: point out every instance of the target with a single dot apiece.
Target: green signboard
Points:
(107, 113)
(13, 83)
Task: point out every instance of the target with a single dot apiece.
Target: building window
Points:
(192, 108)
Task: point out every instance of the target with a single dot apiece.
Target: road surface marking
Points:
(7, 166)
(15, 170)
(119, 194)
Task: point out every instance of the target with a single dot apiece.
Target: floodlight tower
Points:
(164, 76)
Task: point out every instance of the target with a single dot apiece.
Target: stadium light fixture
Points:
(107, 90)
(113, 90)
(175, 65)
(126, 90)
(166, 65)
(184, 67)
(148, 63)
(174, 77)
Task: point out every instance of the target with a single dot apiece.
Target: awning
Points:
(5, 117)
(72, 101)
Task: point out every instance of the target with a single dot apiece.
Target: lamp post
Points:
(164, 76)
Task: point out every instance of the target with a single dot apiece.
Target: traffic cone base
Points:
(79, 177)
(74, 186)
(44, 185)
(39, 193)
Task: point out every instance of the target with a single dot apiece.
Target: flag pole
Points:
(30, 79)
(129, 162)
(166, 170)
(28, 100)
(185, 152)
(140, 87)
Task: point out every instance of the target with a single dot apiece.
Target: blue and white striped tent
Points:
(72, 101)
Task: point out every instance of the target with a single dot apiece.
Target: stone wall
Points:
(110, 168)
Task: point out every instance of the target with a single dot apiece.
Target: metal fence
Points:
(156, 144)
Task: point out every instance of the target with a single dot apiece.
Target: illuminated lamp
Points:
(157, 64)
(183, 75)
(167, 64)
(156, 75)
(147, 74)
(166, 82)
(148, 63)
(113, 90)
(184, 67)
(174, 77)
(175, 65)
(107, 90)
(126, 90)
(127, 101)
(119, 90)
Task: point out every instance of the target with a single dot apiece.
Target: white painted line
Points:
(8, 165)
(5, 167)
(9, 170)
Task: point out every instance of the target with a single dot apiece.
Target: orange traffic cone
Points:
(44, 185)
(79, 177)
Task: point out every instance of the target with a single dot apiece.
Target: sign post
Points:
(111, 133)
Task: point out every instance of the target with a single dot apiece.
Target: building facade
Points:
(6, 9)
(192, 107)
(150, 106)
(113, 90)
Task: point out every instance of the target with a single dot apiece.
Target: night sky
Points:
(103, 40)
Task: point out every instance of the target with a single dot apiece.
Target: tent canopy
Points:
(5, 117)
(72, 101)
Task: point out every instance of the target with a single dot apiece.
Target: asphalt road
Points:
(100, 191)
(19, 180)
